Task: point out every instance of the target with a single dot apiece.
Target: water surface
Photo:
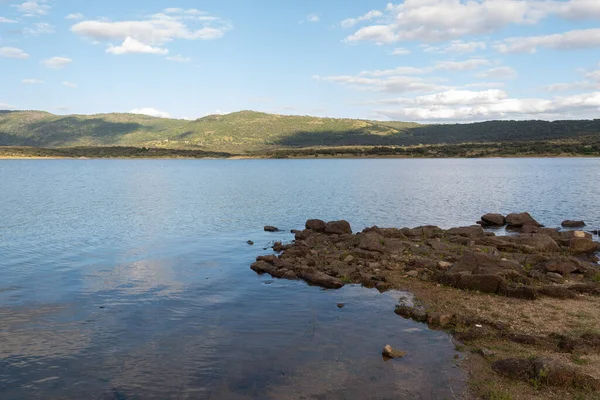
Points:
(130, 279)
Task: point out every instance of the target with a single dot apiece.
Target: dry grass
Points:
(539, 318)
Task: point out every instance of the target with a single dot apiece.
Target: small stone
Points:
(349, 259)
(487, 353)
(250, 242)
(390, 352)
(413, 273)
(579, 234)
(554, 277)
(444, 265)
(340, 305)
(271, 229)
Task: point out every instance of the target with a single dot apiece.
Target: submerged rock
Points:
(269, 228)
(390, 352)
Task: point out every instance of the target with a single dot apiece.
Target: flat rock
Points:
(493, 220)
(269, 228)
(572, 224)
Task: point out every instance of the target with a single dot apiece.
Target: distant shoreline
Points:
(469, 150)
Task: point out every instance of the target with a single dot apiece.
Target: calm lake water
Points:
(130, 279)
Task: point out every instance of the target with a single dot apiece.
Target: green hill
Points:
(248, 131)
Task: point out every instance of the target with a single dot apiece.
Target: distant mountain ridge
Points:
(248, 131)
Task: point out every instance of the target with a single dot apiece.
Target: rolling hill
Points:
(249, 131)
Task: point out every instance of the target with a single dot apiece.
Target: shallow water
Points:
(130, 279)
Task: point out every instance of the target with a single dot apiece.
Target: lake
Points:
(130, 279)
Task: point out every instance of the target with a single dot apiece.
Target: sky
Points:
(412, 60)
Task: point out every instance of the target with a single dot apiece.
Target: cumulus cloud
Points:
(75, 17)
(38, 29)
(5, 106)
(456, 47)
(13, 52)
(33, 8)
(69, 85)
(499, 73)
(493, 105)
(132, 46)
(442, 20)
(572, 40)
(148, 35)
(350, 22)
(31, 81)
(152, 112)
(57, 62)
(179, 58)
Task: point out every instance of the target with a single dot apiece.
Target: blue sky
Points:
(417, 60)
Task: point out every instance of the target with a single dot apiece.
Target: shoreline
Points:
(2, 157)
(522, 307)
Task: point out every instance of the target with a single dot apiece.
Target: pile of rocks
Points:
(531, 262)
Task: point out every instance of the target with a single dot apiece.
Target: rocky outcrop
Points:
(524, 265)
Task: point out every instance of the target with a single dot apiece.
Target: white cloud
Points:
(485, 85)
(39, 29)
(151, 112)
(400, 51)
(132, 46)
(462, 65)
(495, 105)
(579, 9)
(572, 40)
(13, 52)
(76, 16)
(499, 73)
(7, 21)
(33, 8)
(4, 106)
(350, 22)
(391, 84)
(57, 62)
(146, 36)
(70, 85)
(179, 58)
(313, 18)
(441, 20)
(563, 87)
(456, 47)
(31, 81)
(396, 71)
